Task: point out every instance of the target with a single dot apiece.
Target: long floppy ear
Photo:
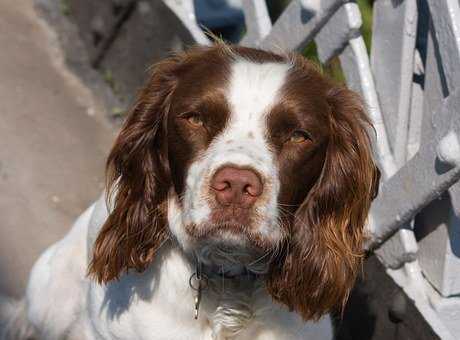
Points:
(325, 252)
(137, 182)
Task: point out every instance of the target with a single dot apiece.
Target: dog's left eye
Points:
(299, 136)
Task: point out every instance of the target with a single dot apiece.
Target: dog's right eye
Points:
(193, 118)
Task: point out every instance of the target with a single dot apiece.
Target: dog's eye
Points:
(299, 136)
(194, 118)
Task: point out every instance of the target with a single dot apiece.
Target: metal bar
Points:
(392, 57)
(344, 25)
(258, 23)
(445, 15)
(185, 11)
(416, 109)
(438, 254)
(401, 198)
(355, 64)
(392, 62)
(299, 23)
(398, 249)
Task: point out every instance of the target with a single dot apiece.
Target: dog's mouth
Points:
(232, 216)
(231, 235)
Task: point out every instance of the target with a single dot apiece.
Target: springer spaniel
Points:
(237, 193)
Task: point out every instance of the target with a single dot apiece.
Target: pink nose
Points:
(236, 186)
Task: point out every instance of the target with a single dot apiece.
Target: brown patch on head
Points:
(329, 179)
(201, 91)
(302, 107)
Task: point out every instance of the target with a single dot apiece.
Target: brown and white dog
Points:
(238, 189)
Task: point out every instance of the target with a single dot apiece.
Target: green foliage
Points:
(366, 29)
(64, 6)
(118, 112)
(331, 69)
(110, 80)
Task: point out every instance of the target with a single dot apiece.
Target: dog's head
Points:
(237, 148)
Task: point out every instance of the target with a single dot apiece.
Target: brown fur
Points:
(137, 182)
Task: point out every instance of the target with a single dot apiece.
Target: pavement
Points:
(54, 138)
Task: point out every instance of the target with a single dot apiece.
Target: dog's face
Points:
(244, 147)
(247, 149)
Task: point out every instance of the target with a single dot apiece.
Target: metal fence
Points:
(411, 84)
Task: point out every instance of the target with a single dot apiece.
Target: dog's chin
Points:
(231, 235)
(230, 250)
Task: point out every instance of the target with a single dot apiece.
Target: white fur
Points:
(13, 319)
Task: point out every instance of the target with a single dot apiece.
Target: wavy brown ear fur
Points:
(325, 252)
(137, 182)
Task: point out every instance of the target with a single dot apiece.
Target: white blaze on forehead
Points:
(253, 89)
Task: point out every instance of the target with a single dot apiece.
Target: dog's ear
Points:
(137, 182)
(325, 252)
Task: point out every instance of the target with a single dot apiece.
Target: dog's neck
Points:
(230, 302)
(228, 292)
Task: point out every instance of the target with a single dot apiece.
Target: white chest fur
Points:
(159, 304)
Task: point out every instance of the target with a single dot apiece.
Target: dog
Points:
(235, 207)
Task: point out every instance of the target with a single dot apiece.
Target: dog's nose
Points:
(236, 186)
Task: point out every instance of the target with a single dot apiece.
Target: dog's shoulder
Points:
(56, 289)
